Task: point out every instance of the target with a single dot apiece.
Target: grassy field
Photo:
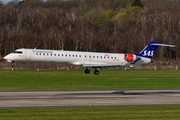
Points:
(93, 113)
(76, 79)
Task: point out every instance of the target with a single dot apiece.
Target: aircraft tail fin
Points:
(151, 48)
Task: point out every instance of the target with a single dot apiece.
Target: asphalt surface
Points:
(19, 99)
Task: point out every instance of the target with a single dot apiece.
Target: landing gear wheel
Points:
(86, 71)
(13, 65)
(96, 72)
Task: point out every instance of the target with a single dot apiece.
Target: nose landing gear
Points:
(13, 65)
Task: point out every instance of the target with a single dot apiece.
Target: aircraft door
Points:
(116, 58)
(28, 54)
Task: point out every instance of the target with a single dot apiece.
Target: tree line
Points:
(90, 25)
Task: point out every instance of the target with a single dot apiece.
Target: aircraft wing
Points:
(101, 65)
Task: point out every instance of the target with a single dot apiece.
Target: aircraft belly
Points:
(105, 63)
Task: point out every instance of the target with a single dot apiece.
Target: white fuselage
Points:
(86, 59)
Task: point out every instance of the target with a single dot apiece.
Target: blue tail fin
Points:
(151, 48)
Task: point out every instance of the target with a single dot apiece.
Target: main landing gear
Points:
(87, 71)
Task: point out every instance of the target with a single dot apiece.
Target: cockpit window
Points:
(18, 52)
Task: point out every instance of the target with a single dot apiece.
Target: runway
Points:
(18, 99)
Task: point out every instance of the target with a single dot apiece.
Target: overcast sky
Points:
(5, 1)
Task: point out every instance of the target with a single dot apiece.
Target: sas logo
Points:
(148, 53)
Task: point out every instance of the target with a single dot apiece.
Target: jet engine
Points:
(130, 57)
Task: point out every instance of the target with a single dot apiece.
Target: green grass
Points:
(76, 79)
(93, 113)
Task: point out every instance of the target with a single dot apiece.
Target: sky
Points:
(5, 1)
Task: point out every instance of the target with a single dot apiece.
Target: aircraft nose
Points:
(7, 58)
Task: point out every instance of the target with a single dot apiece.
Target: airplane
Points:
(94, 60)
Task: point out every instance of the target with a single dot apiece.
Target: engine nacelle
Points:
(130, 57)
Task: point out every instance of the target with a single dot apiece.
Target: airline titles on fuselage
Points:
(42, 51)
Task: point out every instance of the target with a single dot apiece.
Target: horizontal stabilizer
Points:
(163, 45)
